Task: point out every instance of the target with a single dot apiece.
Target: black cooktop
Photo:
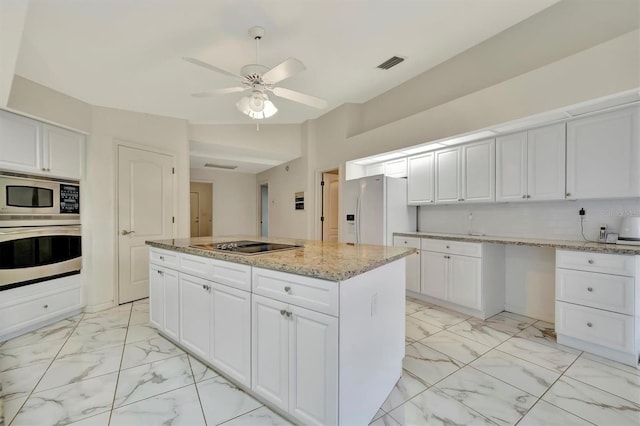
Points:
(246, 247)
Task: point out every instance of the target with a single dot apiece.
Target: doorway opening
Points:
(201, 208)
(330, 185)
(263, 209)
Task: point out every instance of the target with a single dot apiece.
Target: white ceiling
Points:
(126, 54)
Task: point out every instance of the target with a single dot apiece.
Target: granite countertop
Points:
(318, 259)
(534, 242)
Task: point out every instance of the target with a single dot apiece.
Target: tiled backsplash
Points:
(547, 220)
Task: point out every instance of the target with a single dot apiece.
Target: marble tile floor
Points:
(111, 368)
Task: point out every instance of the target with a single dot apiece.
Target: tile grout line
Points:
(45, 371)
(115, 389)
(195, 385)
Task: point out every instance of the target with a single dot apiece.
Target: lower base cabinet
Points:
(163, 298)
(295, 360)
(195, 315)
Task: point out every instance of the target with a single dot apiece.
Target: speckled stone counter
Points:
(558, 244)
(318, 259)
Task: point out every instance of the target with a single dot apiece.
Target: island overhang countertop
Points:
(319, 259)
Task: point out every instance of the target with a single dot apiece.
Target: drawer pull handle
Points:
(287, 289)
(589, 289)
(590, 261)
(589, 324)
(46, 306)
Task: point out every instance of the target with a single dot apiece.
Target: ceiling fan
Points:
(260, 79)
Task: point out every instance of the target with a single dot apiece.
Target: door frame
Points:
(213, 191)
(259, 186)
(117, 143)
(317, 224)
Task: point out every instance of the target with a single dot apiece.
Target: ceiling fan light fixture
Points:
(256, 106)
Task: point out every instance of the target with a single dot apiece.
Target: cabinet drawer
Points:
(596, 326)
(611, 292)
(596, 262)
(36, 309)
(232, 274)
(409, 242)
(452, 247)
(195, 265)
(312, 293)
(164, 257)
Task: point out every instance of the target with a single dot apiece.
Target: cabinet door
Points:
(511, 167)
(465, 281)
(156, 296)
(396, 168)
(434, 274)
(412, 262)
(603, 156)
(479, 171)
(171, 304)
(231, 346)
(420, 179)
(270, 350)
(20, 143)
(313, 380)
(546, 149)
(195, 315)
(448, 175)
(63, 152)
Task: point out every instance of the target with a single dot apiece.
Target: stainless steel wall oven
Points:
(40, 234)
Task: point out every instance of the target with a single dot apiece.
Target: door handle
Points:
(125, 232)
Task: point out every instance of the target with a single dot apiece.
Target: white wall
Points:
(234, 201)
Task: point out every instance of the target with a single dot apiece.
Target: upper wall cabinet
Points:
(30, 146)
(466, 173)
(420, 179)
(531, 165)
(396, 168)
(603, 155)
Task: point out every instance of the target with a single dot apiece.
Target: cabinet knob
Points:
(431, 201)
(589, 325)
(568, 194)
(282, 312)
(590, 289)
(590, 261)
(288, 314)
(447, 246)
(46, 306)
(161, 257)
(287, 289)
(528, 196)
(159, 272)
(43, 169)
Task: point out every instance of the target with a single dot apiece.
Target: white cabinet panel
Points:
(478, 172)
(604, 291)
(546, 149)
(20, 143)
(396, 168)
(313, 383)
(231, 348)
(511, 167)
(412, 262)
(195, 315)
(63, 152)
(596, 262)
(420, 179)
(171, 304)
(465, 281)
(603, 155)
(434, 274)
(448, 175)
(156, 296)
(270, 351)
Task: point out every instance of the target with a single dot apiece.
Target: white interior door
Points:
(145, 205)
(330, 196)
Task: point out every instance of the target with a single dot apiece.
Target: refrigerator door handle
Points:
(358, 219)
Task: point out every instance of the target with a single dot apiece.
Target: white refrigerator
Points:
(374, 207)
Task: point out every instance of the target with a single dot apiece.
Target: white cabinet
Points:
(396, 168)
(195, 315)
(420, 179)
(163, 297)
(603, 155)
(468, 277)
(465, 173)
(531, 165)
(231, 332)
(295, 359)
(595, 304)
(30, 146)
(412, 262)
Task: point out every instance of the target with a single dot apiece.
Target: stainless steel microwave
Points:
(24, 199)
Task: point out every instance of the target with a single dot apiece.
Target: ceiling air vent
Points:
(391, 62)
(220, 166)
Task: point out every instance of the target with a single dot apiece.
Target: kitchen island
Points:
(316, 332)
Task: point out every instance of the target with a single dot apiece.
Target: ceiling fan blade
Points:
(211, 67)
(216, 92)
(302, 98)
(283, 70)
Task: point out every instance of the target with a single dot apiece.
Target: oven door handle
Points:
(7, 234)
